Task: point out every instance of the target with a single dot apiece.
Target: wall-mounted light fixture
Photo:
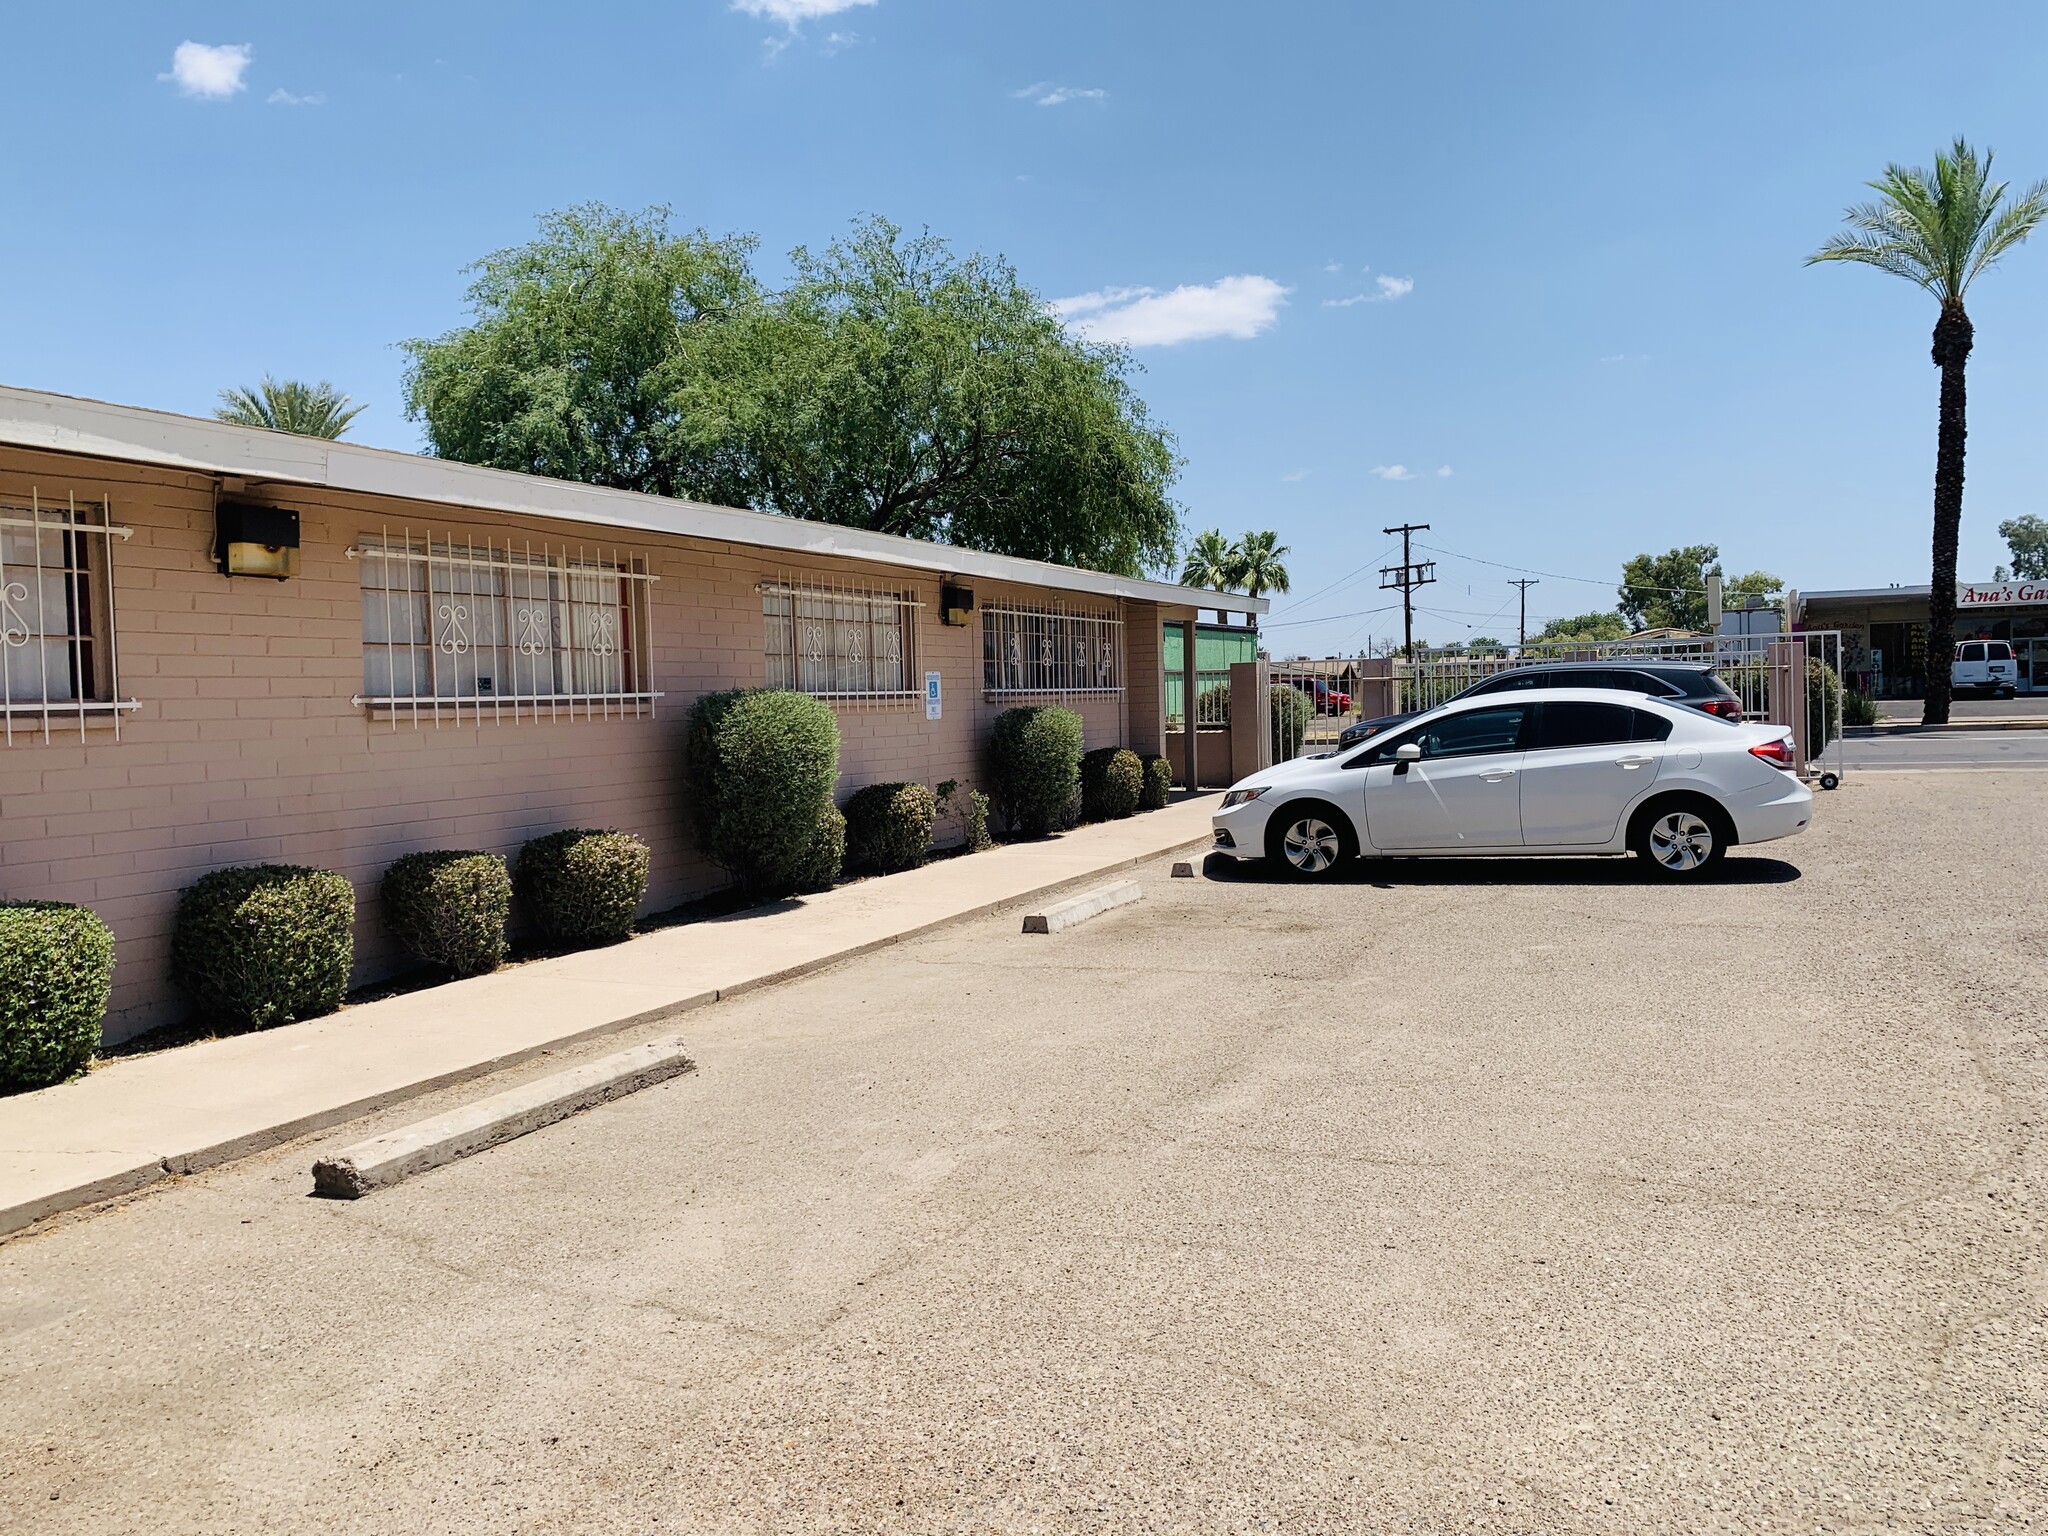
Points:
(956, 604)
(249, 540)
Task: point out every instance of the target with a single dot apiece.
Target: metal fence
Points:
(1315, 700)
(1755, 667)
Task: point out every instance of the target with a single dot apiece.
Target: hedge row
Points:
(270, 944)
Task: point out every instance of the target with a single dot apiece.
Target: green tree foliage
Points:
(1939, 230)
(2027, 538)
(892, 385)
(289, 405)
(1258, 563)
(578, 344)
(1252, 564)
(1587, 627)
(1669, 591)
(1211, 562)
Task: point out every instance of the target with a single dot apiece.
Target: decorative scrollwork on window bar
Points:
(58, 662)
(1050, 650)
(461, 628)
(842, 641)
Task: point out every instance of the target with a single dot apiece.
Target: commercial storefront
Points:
(226, 646)
(1884, 630)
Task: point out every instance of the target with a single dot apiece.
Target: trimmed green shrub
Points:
(1035, 767)
(1823, 706)
(970, 806)
(1112, 783)
(889, 827)
(1291, 710)
(265, 944)
(1158, 785)
(581, 887)
(56, 971)
(826, 856)
(762, 763)
(1858, 708)
(450, 909)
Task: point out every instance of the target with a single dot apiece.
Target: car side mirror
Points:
(1408, 752)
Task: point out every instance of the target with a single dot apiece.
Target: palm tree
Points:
(1212, 562)
(1939, 229)
(1258, 563)
(288, 405)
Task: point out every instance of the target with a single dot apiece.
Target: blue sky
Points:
(1553, 250)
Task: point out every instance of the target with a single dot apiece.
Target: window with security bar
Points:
(57, 660)
(478, 629)
(1050, 650)
(841, 642)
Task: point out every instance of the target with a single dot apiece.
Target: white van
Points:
(1984, 666)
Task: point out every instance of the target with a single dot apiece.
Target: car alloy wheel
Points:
(1681, 842)
(1311, 845)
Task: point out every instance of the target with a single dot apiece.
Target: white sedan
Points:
(1555, 770)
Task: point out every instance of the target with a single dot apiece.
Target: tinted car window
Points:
(1474, 730)
(1649, 727)
(1584, 725)
(1969, 653)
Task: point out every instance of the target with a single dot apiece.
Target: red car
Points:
(1328, 700)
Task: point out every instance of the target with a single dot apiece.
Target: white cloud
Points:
(210, 71)
(1333, 266)
(839, 42)
(794, 13)
(1046, 94)
(1393, 471)
(284, 98)
(1389, 288)
(1294, 476)
(1239, 307)
(1444, 473)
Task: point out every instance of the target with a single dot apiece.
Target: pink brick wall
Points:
(247, 748)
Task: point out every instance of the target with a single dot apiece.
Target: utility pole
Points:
(1525, 584)
(1407, 576)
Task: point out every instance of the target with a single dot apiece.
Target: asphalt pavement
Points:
(1518, 1196)
(1949, 749)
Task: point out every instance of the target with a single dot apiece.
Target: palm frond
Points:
(1937, 228)
(290, 405)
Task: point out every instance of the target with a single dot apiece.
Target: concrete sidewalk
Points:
(133, 1121)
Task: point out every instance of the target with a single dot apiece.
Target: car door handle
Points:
(1634, 762)
(1497, 775)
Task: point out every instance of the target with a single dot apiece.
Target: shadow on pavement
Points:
(1389, 874)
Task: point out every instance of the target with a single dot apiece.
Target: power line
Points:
(1332, 618)
(1591, 581)
(1303, 602)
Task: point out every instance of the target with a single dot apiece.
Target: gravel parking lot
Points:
(1459, 1197)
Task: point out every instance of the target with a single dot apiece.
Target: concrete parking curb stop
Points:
(1079, 909)
(385, 1160)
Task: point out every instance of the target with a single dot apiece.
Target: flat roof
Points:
(1877, 594)
(131, 434)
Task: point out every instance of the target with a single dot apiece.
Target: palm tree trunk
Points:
(1953, 335)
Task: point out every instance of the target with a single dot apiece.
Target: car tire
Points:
(1309, 840)
(1680, 839)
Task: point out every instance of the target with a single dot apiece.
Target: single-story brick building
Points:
(220, 645)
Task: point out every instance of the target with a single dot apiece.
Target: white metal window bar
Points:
(473, 629)
(57, 657)
(1050, 650)
(845, 642)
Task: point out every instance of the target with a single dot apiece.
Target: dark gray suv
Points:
(1681, 682)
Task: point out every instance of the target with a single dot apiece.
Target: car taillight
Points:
(1727, 709)
(1777, 753)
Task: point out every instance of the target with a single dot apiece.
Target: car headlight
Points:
(1240, 796)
